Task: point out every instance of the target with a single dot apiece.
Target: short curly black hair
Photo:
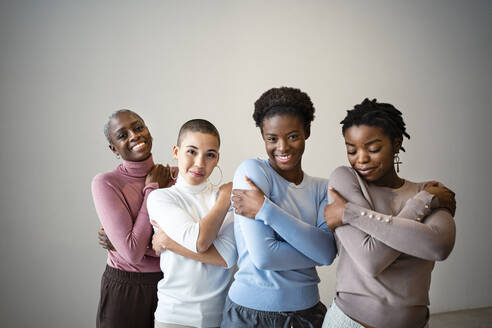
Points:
(284, 100)
(373, 113)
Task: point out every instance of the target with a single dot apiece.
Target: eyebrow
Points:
(195, 147)
(274, 134)
(367, 143)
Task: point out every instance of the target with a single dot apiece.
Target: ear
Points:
(175, 152)
(307, 131)
(113, 149)
(397, 145)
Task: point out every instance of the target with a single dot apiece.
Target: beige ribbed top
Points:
(387, 248)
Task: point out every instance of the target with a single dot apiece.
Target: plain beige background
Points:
(66, 65)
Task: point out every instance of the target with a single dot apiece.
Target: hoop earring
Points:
(171, 170)
(397, 162)
(221, 176)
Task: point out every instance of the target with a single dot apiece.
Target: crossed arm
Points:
(375, 243)
(301, 245)
(178, 232)
(130, 238)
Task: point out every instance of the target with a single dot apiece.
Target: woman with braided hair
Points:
(389, 231)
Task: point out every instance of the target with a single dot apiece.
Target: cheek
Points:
(351, 160)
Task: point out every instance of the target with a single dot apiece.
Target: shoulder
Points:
(162, 195)
(255, 169)
(108, 179)
(253, 164)
(343, 171)
(344, 176)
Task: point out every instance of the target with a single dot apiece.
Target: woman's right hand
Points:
(104, 241)
(160, 240)
(333, 212)
(160, 174)
(445, 195)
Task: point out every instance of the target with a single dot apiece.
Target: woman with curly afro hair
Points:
(279, 226)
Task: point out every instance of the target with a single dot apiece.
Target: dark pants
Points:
(128, 299)
(237, 316)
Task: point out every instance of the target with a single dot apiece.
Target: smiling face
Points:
(285, 137)
(129, 137)
(197, 156)
(370, 152)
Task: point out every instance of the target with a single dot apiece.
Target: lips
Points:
(196, 174)
(365, 171)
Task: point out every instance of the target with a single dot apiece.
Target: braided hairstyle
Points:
(284, 100)
(382, 115)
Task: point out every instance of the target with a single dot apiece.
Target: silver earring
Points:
(221, 176)
(397, 162)
(171, 170)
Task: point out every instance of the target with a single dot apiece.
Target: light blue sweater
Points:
(279, 249)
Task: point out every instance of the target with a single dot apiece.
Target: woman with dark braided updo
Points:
(389, 231)
(279, 226)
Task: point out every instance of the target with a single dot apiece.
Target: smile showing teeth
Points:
(139, 146)
(283, 158)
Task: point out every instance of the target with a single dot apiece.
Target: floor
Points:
(476, 318)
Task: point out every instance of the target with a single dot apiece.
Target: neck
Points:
(390, 180)
(294, 175)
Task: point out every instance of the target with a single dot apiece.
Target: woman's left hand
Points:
(334, 212)
(248, 202)
(160, 240)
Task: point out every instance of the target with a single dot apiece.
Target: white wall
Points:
(65, 65)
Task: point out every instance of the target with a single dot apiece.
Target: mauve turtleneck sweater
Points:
(120, 198)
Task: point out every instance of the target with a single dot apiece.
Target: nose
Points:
(363, 156)
(200, 161)
(282, 145)
(132, 135)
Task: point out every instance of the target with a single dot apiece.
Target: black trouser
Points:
(128, 299)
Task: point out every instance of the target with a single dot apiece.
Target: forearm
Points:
(313, 242)
(210, 225)
(129, 237)
(269, 253)
(431, 240)
(369, 254)
(210, 256)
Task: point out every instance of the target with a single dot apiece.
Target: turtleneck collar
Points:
(136, 169)
(185, 186)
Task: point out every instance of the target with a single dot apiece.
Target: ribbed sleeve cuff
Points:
(265, 212)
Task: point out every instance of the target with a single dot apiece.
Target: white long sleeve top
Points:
(191, 293)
